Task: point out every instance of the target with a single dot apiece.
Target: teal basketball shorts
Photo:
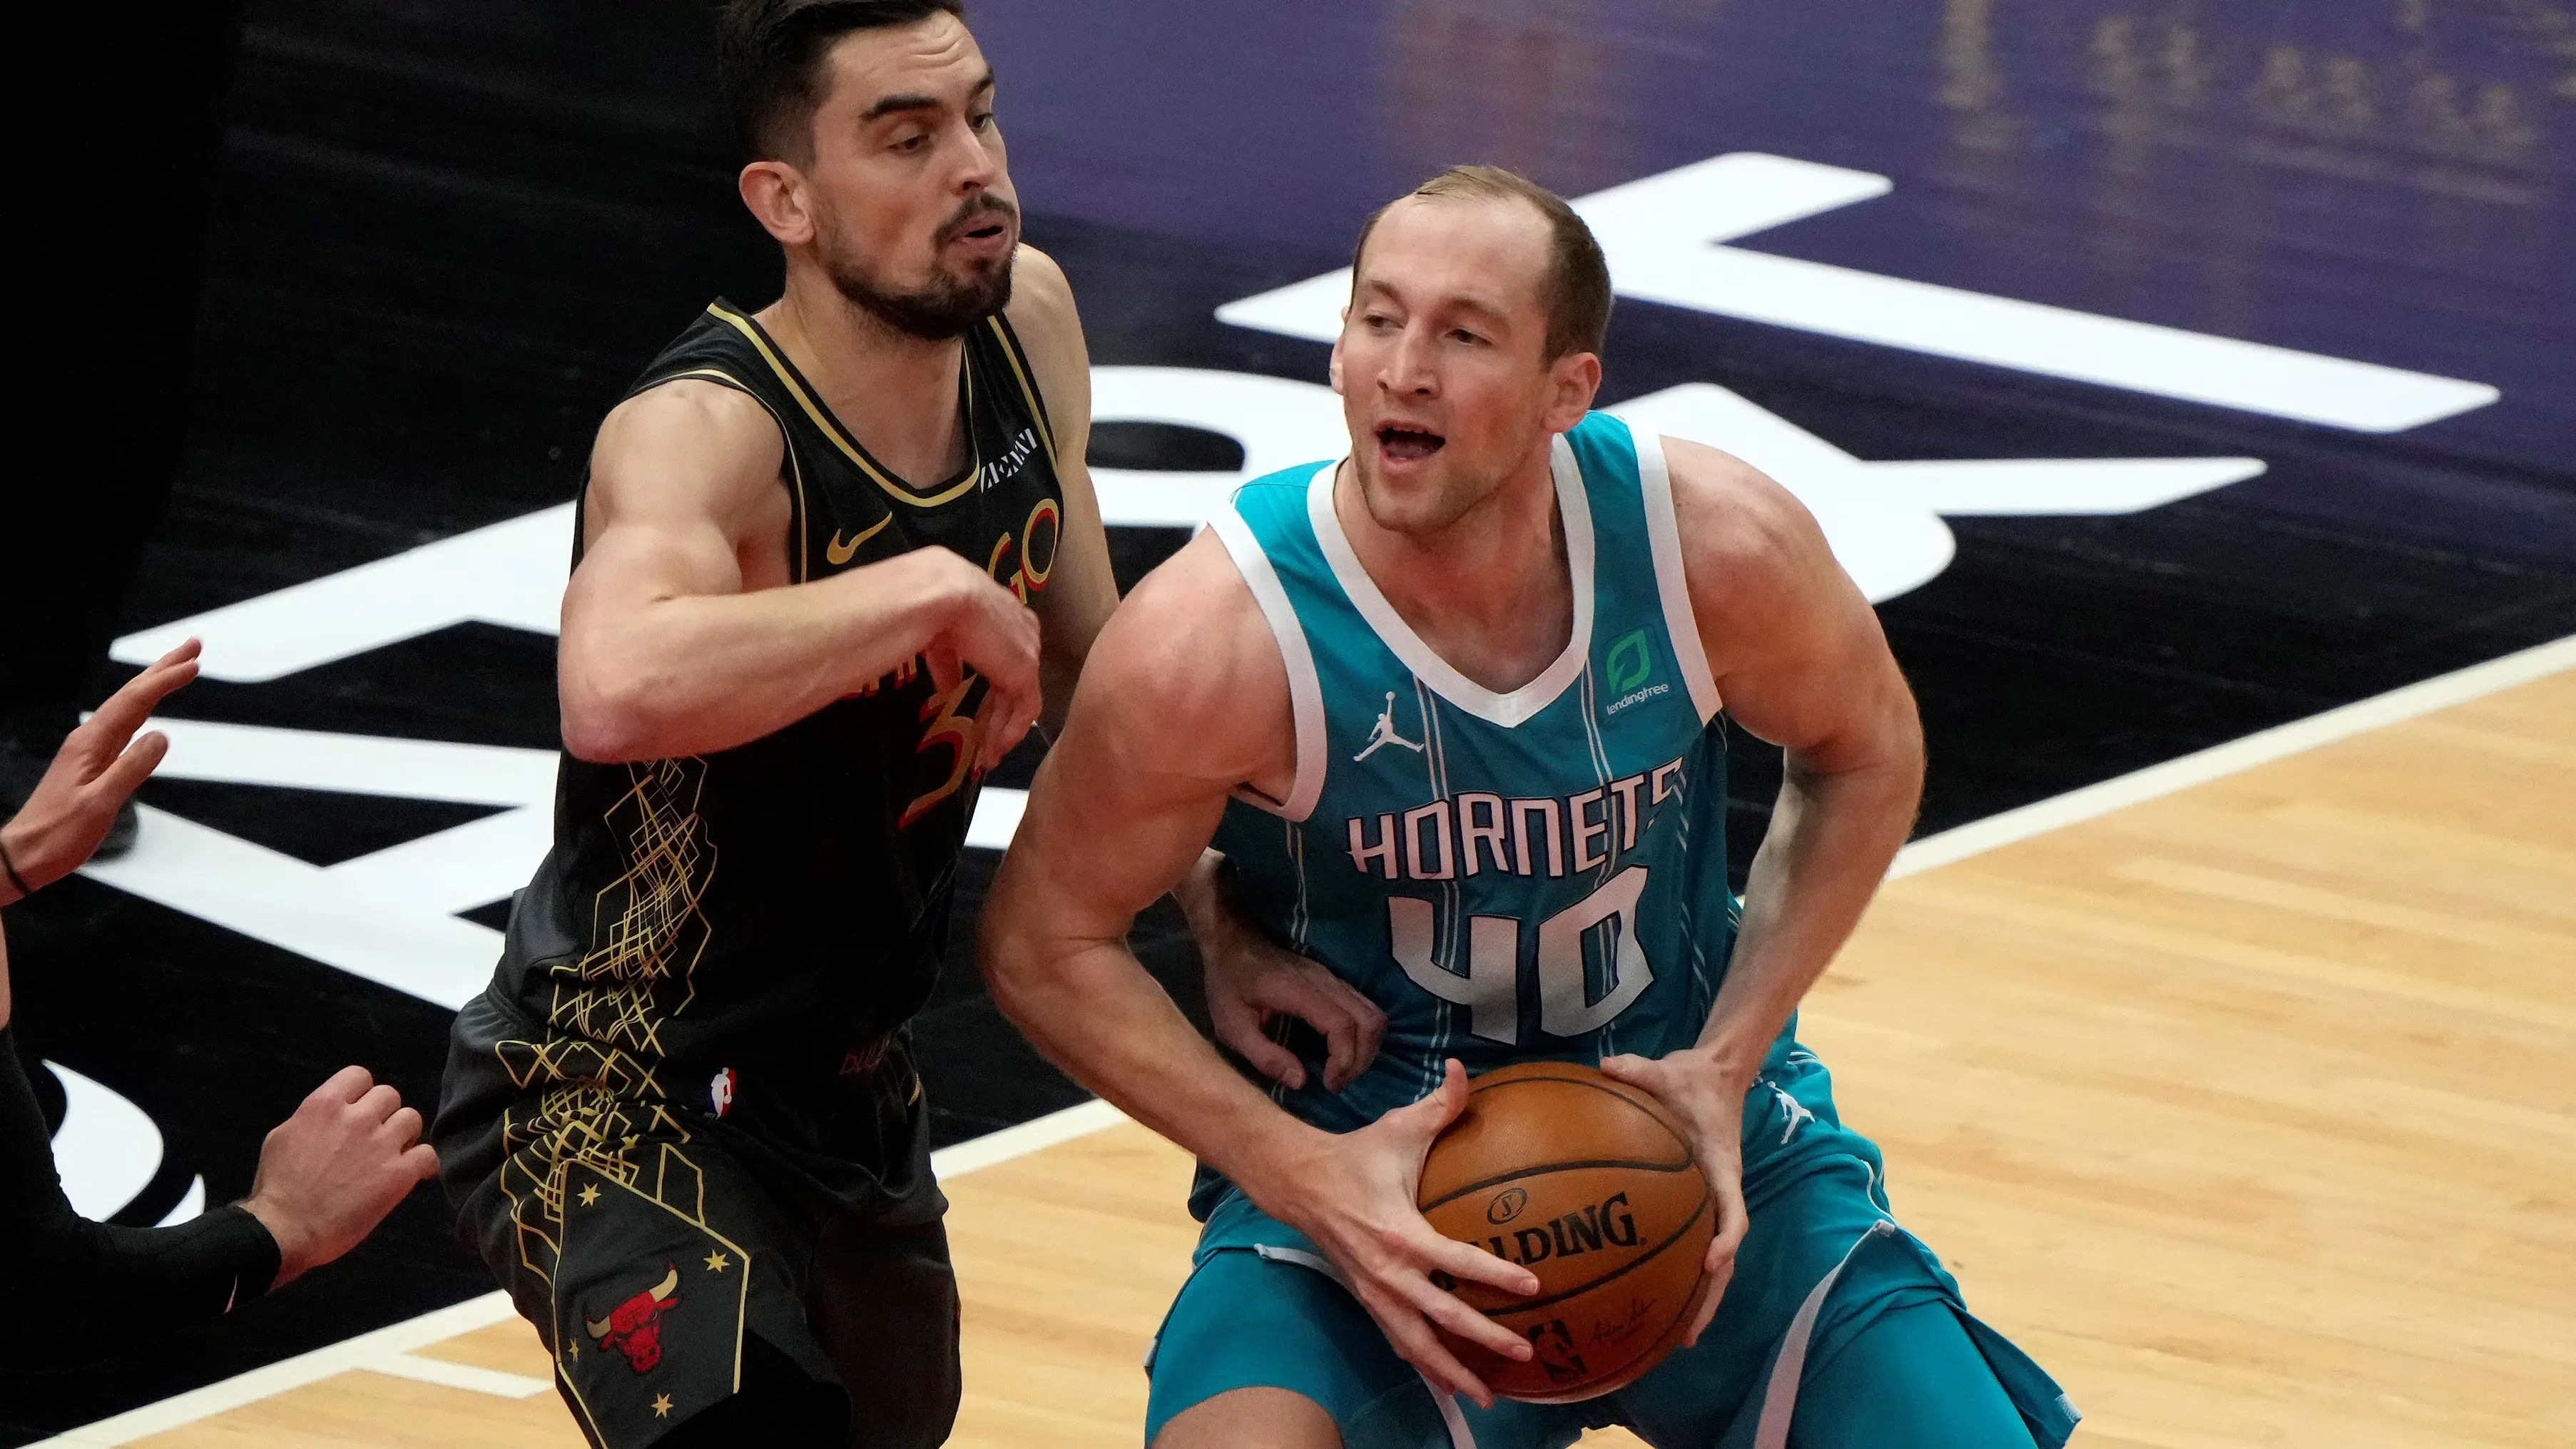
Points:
(1839, 1330)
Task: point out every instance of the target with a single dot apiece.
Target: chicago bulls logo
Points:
(633, 1327)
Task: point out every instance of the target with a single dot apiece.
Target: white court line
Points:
(448, 1374)
(373, 1350)
(2395, 707)
(389, 1350)
(362, 1351)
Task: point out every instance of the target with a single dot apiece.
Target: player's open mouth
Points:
(1407, 445)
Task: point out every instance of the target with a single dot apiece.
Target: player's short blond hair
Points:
(1576, 287)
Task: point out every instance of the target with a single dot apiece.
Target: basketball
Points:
(1591, 1185)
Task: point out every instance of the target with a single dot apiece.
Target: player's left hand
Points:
(99, 765)
(1252, 979)
(1709, 1099)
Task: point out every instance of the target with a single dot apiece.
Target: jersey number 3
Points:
(1605, 921)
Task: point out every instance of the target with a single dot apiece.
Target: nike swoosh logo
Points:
(840, 553)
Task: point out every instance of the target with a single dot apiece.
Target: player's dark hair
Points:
(770, 56)
(1576, 288)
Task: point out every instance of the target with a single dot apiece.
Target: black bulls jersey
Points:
(773, 908)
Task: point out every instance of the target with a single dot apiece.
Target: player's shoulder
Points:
(1746, 542)
(689, 408)
(1041, 308)
(686, 443)
(1043, 316)
(1189, 649)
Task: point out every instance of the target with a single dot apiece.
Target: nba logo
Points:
(720, 1091)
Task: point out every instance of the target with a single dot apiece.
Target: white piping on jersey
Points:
(1435, 756)
(1454, 1418)
(1506, 710)
(1705, 995)
(1601, 776)
(1299, 923)
(1664, 541)
(1305, 691)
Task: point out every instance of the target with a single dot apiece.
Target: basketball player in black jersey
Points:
(829, 552)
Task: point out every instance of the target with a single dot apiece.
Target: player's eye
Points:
(982, 121)
(911, 143)
(1463, 335)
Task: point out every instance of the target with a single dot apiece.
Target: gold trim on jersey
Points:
(795, 469)
(831, 427)
(593, 1071)
(1028, 388)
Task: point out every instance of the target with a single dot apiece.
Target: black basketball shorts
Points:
(696, 1281)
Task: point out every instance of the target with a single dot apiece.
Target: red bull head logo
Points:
(634, 1327)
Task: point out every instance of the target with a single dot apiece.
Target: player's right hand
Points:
(987, 629)
(1356, 1200)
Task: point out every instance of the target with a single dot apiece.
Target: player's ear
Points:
(1573, 381)
(775, 193)
(1334, 368)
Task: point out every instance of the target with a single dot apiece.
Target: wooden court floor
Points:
(2249, 1109)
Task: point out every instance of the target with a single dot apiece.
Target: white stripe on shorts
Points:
(1780, 1399)
(1450, 1414)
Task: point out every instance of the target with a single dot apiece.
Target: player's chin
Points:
(1413, 506)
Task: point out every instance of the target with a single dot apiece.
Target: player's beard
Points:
(952, 303)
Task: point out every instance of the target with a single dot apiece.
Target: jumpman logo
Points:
(1791, 1108)
(1383, 733)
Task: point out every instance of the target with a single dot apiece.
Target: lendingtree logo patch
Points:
(1632, 662)
(1630, 672)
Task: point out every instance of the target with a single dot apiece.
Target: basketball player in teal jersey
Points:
(1447, 707)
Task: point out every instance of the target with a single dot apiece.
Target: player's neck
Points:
(896, 393)
(1491, 593)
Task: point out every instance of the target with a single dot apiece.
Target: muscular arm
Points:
(1800, 661)
(681, 632)
(1184, 698)
(1080, 591)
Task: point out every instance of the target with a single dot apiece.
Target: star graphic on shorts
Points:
(661, 1406)
(717, 1262)
(590, 1195)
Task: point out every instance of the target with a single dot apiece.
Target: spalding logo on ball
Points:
(1591, 1185)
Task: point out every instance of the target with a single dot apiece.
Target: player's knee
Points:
(1260, 1418)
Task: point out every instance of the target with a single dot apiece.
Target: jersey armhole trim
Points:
(1025, 372)
(1664, 540)
(1305, 689)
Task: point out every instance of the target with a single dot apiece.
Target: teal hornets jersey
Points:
(1538, 874)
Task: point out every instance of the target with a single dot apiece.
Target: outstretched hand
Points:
(1356, 1200)
(1710, 1103)
(99, 766)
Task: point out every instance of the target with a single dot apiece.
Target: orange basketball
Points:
(1591, 1185)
